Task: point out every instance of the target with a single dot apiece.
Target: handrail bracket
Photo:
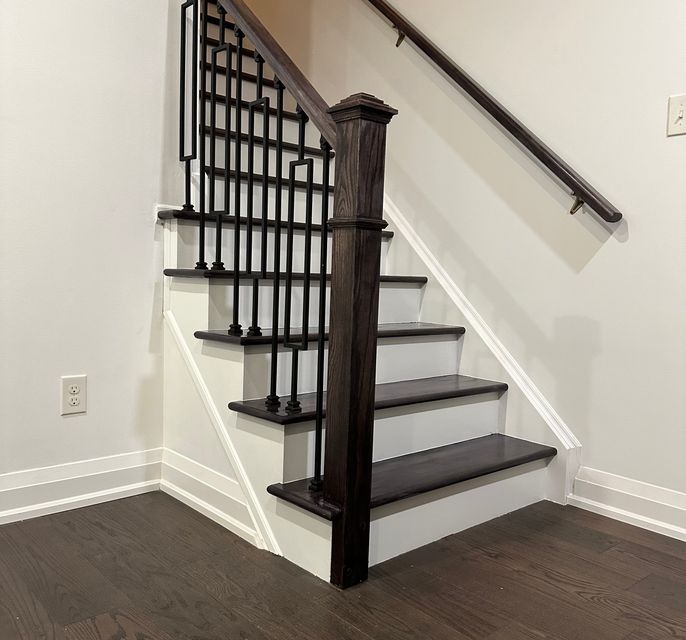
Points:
(578, 203)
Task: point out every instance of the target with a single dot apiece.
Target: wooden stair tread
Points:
(288, 115)
(228, 275)
(389, 330)
(417, 473)
(389, 394)
(230, 220)
(220, 174)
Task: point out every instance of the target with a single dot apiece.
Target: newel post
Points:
(361, 122)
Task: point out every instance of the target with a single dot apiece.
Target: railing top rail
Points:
(581, 189)
(285, 69)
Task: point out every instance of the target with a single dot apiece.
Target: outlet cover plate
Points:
(676, 124)
(73, 396)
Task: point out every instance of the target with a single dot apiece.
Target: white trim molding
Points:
(631, 501)
(216, 496)
(265, 537)
(39, 492)
(519, 377)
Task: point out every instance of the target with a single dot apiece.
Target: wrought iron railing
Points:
(355, 129)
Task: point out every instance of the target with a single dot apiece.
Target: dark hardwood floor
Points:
(149, 568)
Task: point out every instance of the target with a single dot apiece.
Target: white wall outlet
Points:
(73, 396)
(676, 125)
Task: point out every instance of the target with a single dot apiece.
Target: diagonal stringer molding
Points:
(263, 530)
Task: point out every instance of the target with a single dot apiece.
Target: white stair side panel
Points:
(397, 359)
(408, 524)
(299, 201)
(397, 303)
(404, 430)
(257, 445)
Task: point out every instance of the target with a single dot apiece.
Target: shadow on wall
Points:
(517, 327)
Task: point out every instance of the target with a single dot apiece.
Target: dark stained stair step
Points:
(228, 275)
(388, 395)
(417, 473)
(229, 221)
(390, 330)
(220, 174)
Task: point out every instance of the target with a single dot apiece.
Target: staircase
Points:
(355, 411)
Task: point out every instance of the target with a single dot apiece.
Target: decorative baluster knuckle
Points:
(361, 122)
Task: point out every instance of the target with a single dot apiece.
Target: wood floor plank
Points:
(520, 632)
(119, 625)
(596, 598)
(271, 602)
(150, 568)
(614, 528)
(664, 592)
(150, 578)
(427, 593)
(67, 585)
(384, 617)
(488, 582)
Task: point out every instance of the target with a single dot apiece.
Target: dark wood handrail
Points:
(581, 189)
(285, 69)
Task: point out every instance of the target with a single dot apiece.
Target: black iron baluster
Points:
(184, 157)
(202, 263)
(293, 405)
(218, 265)
(316, 482)
(263, 102)
(236, 329)
(273, 400)
(212, 207)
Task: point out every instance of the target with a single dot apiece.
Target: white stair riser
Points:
(408, 524)
(288, 157)
(299, 201)
(188, 247)
(397, 359)
(397, 303)
(404, 430)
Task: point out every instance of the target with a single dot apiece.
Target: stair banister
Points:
(583, 192)
(285, 69)
(356, 129)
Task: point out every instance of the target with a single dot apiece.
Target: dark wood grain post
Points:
(361, 122)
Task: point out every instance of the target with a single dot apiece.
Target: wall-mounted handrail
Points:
(583, 192)
(285, 69)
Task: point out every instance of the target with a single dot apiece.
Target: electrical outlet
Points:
(73, 397)
(676, 124)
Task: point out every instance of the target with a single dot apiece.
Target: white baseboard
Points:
(214, 495)
(39, 492)
(638, 503)
(43, 491)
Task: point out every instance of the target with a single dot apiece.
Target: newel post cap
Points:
(362, 106)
